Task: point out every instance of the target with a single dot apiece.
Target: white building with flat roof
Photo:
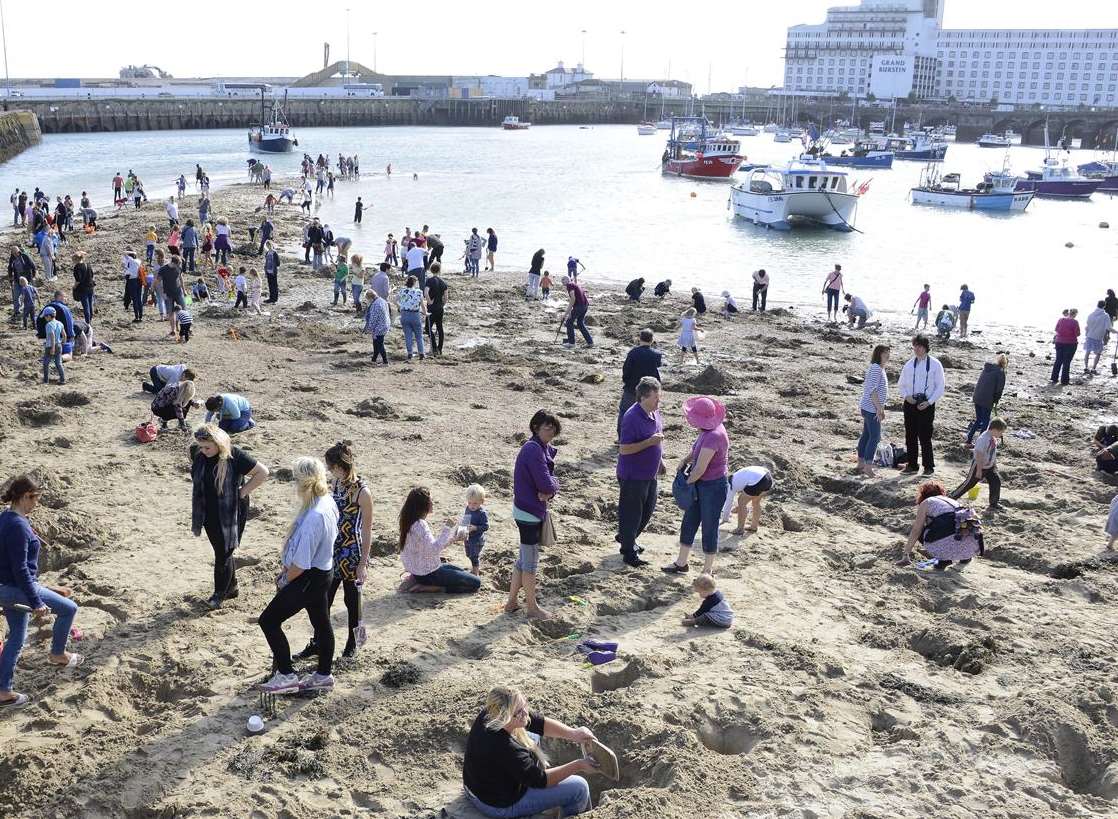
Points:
(893, 48)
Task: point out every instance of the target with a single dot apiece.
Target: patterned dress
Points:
(347, 546)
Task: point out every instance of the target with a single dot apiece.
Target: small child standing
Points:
(545, 286)
(185, 322)
(254, 288)
(29, 301)
(241, 285)
(341, 273)
(476, 521)
(151, 238)
(753, 482)
(714, 612)
(687, 334)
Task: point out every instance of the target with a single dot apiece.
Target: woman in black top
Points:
(698, 300)
(220, 501)
(505, 772)
(83, 285)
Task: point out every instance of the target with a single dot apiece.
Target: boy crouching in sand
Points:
(714, 612)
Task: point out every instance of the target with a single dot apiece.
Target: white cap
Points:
(255, 724)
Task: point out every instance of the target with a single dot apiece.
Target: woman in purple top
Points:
(20, 590)
(533, 487)
(705, 467)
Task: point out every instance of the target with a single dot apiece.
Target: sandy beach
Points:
(848, 687)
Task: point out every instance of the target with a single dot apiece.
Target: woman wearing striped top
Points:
(874, 395)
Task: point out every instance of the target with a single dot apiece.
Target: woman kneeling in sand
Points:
(506, 773)
(420, 550)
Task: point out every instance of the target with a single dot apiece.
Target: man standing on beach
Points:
(921, 385)
(118, 186)
(641, 362)
(640, 462)
(577, 309)
(1099, 325)
(416, 259)
(966, 299)
(271, 272)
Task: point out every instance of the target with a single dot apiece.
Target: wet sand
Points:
(847, 687)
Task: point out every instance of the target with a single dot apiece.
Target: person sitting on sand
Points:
(663, 288)
(420, 549)
(634, 289)
(729, 305)
(163, 374)
(219, 501)
(937, 527)
(233, 412)
(754, 483)
(705, 468)
(505, 773)
(175, 401)
(714, 612)
(304, 582)
(20, 587)
(199, 292)
(1105, 445)
(984, 464)
(533, 487)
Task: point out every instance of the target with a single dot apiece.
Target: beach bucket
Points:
(67, 348)
(972, 495)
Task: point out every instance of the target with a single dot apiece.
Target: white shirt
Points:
(172, 210)
(311, 545)
(131, 267)
(415, 258)
(1098, 324)
(170, 373)
(858, 306)
(240, 283)
(987, 445)
(763, 280)
(924, 377)
(744, 478)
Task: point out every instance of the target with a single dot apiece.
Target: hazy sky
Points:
(274, 37)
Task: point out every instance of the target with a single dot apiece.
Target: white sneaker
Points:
(316, 682)
(281, 684)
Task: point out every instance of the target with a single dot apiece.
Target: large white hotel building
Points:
(891, 48)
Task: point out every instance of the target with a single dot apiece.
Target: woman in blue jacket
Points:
(21, 593)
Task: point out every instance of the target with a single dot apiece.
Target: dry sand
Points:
(848, 687)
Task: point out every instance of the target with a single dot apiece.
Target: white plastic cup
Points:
(255, 724)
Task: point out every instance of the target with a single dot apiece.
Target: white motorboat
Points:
(782, 135)
(513, 123)
(646, 129)
(803, 191)
(743, 130)
(993, 141)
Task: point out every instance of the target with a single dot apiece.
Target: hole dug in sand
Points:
(731, 730)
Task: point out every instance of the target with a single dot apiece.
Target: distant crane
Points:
(144, 72)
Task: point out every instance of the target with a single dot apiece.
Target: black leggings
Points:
(351, 594)
(225, 567)
(435, 322)
(309, 591)
(378, 349)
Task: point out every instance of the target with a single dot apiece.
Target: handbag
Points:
(547, 531)
(146, 432)
(685, 494)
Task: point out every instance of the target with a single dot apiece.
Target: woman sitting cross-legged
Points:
(420, 550)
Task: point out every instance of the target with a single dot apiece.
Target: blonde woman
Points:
(304, 582)
(356, 280)
(223, 478)
(506, 773)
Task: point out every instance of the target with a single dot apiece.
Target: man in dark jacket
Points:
(267, 228)
(271, 272)
(634, 289)
(987, 394)
(642, 360)
(19, 264)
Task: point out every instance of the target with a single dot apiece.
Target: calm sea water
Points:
(598, 194)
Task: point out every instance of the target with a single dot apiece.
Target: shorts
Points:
(1093, 345)
(175, 297)
(761, 487)
(529, 559)
(922, 314)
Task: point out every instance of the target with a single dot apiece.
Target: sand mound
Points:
(711, 381)
(375, 407)
(35, 414)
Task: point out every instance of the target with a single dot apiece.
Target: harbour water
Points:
(597, 193)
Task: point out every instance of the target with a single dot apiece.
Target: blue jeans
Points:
(452, 579)
(871, 436)
(1061, 368)
(339, 290)
(707, 511)
(572, 795)
(413, 330)
(357, 289)
(64, 610)
(188, 259)
(57, 359)
(235, 425)
(87, 306)
(980, 422)
(578, 319)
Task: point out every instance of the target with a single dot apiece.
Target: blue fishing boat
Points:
(917, 148)
(997, 192)
(862, 155)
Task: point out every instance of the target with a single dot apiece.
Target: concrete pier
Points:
(18, 130)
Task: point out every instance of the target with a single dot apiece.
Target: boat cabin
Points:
(797, 179)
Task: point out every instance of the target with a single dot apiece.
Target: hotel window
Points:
(986, 64)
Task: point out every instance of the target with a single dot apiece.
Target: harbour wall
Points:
(18, 130)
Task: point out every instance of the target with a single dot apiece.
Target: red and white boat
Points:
(694, 153)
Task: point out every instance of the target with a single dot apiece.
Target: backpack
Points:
(146, 432)
(890, 455)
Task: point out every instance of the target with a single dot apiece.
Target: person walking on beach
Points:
(535, 270)
(416, 261)
(190, 242)
(1099, 325)
(533, 488)
(641, 362)
(377, 324)
(984, 464)
(577, 306)
(987, 393)
(639, 464)
(223, 478)
(474, 247)
(1066, 341)
(966, 300)
(490, 250)
(84, 284)
(921, 305)
(271, 271)
(832, 288)
(20, 586)
(118, 187)
(875, 393)
(438, 294)
(921, 386)
(358, 209)
(760, 289)
(688, 335)
(304, 582)
(413, 309)
(52, 346)
(705, 468)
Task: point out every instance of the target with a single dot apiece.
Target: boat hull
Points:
(936, 154)
(707, 167)
(782, 210)
(1060, 188)
(520, 126)
(997, 144)
(274, 145)
(971, 200)
(884, 161)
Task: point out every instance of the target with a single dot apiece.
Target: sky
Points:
(506, 37)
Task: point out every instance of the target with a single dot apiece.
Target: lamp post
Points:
(374, 52)
(583, 63)
(623, 59)
(4, 37)
(347, 44)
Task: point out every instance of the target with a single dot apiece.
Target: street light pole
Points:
(583, 63)
(623, 58)
(4, 36)
(347, 44)
(374, 52)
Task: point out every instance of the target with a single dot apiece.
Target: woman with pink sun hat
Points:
(705, 471)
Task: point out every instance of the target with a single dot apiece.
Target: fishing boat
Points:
(862, 155)
(771, 128)
(664, 125)
(993, 141)
(743, 129)
(948, 132)
(782, 135)
(1013, 137)
(646, 128)
(692, 152)
(512, 123)
(1104, 170)
(273, 136)
(997, 192)
(805, 191)
(1056, 179)
(919, 147)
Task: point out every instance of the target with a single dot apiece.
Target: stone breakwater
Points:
(19, 130)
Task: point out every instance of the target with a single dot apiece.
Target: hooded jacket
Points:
(991, 383)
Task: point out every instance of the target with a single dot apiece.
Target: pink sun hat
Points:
(704, 412)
